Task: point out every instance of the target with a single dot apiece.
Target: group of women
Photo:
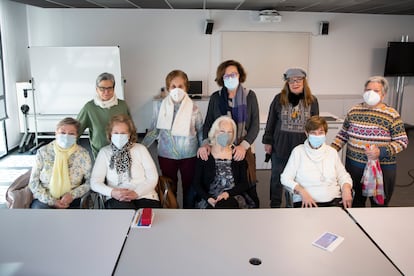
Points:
(216, 158)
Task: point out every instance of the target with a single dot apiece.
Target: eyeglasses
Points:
(103, 89)
(292, 81)
(231, 75)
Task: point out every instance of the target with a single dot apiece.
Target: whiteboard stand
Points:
(36, 137)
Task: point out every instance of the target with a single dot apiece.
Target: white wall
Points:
(153, 42)
(16, 62)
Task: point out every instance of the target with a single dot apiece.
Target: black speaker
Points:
(209, 27)
(323, 27)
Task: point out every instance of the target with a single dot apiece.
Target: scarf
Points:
(180, 125)
(60, 180)
(294, 99)
(121, 159)
(373, 182)
(316, 155)
(239, 110)
(106, 104)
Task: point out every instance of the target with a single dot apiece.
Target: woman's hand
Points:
(212, 201)
(347, 195)
(372, 152)
(123, 194)
(67, 198)
(64, 201)
(59, 204)
(268, 148)
(203, 152)
(223, 195)
(239, 153)
(307, 200)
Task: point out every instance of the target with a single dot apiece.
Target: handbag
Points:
(165, 193)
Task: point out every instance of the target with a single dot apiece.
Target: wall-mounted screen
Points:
(400, 59)
(196, 88)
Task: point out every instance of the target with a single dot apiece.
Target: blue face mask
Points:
(231, 83)
(65, 141)
(316, 140)
(223, 139)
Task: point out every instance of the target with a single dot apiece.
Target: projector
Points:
(269, 16)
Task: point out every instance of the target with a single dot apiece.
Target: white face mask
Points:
(65, 141)
(119, 140)
(177, 94)
(371, 97)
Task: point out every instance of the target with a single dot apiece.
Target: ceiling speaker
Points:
(323, 27)
(209, 27)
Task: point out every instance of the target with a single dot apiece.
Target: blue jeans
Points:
(276, 188)
(36, 204)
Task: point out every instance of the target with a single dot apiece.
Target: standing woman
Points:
(124, 171)
(95, 114)
(60, 176)
(285, 127)
(178, 127)
(241, 105)
(372, 130)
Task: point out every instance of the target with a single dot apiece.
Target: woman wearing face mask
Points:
(124, 171)
(372, 130)
(220, 181)
(241, 105)
(314, 173)
(60, 176)
(177, 125)
(96, 113)
(288, 113)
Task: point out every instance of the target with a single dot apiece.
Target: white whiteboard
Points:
(266, 55)
(64, 77)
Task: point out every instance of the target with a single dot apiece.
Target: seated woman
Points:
(60, 176)
(220, 181)
(124, 171)
(315, 173)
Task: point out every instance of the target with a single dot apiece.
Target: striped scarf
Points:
(238, 111)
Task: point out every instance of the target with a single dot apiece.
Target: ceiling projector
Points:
(269, 16)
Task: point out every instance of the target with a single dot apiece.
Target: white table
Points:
(392, 229)
(61, 242)
(221, 242)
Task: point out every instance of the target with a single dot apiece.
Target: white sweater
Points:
(319, 171)
(144, 174)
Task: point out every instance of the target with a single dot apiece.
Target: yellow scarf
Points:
(60, 181)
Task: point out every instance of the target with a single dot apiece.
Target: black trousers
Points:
(134, 204)
(389, 176)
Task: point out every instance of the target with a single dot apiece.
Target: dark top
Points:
(252, 122)
(205, 173)
(285, 127)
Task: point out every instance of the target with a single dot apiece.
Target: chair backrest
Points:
(167, 197)
(18, 194)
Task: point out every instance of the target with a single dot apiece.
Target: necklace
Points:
(322, 177)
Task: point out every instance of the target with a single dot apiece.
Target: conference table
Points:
(392, 230)
(250, 242)
(61, 242)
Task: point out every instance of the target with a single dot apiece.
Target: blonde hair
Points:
(125, 119)
(215, 127)
(69, 121)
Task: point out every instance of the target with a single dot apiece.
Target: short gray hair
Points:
(105, 76)
(216, 126)
(381, 80)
